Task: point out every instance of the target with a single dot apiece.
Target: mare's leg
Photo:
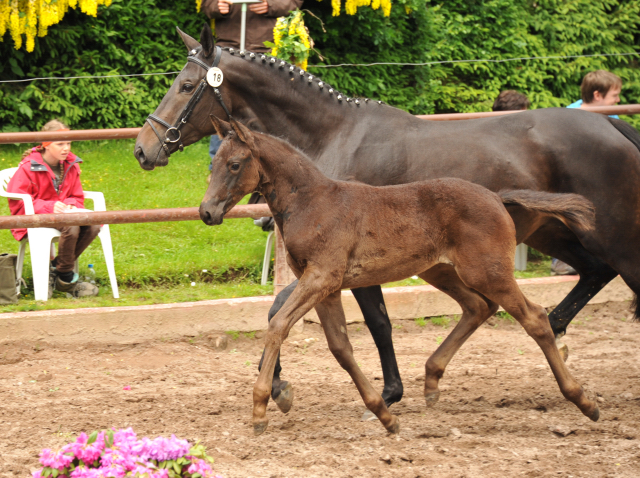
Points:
(371, 303)
(594, 274)
(475, 310)
(334, 325)
(312, 288)
(281, 390)
(499, 285)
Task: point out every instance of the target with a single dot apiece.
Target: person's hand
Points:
(59, 207)
(223, 6)
(259, 8)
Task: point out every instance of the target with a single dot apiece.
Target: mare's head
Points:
(235, 170)
(181, 117)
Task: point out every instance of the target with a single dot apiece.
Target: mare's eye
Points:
(187, 88)
(235, 167)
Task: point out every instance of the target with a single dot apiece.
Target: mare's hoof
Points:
(432, 398)
(285, 399)
(260, 427)
(594, 415)
(368, 416)
(563, 349)
(394, 426)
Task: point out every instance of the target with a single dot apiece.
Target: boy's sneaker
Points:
(85, 289)
(561, 268)
(76, 288)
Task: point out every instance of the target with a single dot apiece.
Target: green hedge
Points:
(139, 36)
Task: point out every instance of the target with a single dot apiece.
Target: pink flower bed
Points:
(119, 454)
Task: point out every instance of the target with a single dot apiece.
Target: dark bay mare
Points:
(555, 150)
(342, 234)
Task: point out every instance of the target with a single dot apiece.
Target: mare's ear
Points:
(244, 134)
(190, 43)
(206, 39)
(222, 127)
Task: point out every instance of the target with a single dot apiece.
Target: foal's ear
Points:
(206, 39)
(244, 134)
(190, 43)
(222, 127)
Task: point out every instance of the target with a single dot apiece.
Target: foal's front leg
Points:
(334, 325)
(312, 288)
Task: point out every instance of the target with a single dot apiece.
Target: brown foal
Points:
(343, 235)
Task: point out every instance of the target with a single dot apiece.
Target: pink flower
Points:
(199, 466)
(126, 387)
(57, 460)
(87, 453)
(119, 454)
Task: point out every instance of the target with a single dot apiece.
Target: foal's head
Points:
(235, 170)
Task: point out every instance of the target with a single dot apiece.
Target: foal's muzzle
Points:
(212, 214)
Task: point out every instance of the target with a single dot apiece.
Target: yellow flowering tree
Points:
(351, 6)
(31, 17)
(291, 40)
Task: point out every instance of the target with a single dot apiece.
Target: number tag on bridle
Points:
(214, 77)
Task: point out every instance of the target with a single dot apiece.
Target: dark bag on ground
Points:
(8, 287)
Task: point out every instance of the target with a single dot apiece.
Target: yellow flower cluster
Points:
(293, 27)
(351, 6)
(31, 17)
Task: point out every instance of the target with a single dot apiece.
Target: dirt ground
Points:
(500, 413)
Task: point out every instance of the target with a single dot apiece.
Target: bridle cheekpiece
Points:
(212, 78)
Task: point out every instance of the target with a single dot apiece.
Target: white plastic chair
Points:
(43, 238)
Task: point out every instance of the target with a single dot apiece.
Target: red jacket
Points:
(35, 178)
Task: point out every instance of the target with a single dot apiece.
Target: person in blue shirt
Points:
(599, 88)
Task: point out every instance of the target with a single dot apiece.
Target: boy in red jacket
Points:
(50, 174)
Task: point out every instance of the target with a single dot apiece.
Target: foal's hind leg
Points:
(475, 310)
(501, 287)
(333, 322)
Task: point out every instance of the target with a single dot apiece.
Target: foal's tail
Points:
(574, 210)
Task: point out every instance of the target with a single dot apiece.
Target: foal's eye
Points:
(235, 167)
(187, 88)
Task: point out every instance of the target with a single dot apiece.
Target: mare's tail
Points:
(632, 135)
(574, 210)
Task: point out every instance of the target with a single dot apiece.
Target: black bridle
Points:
(172, 134)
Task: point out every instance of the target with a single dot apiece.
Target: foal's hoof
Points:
(563, 349)
(285, 399)
(594, 415)
(260, 427)
(432, 398)
(394, 426)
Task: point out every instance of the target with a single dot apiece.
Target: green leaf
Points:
(108, 441)
(92, 438)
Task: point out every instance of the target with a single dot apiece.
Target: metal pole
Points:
(126, 217)
(243, 26)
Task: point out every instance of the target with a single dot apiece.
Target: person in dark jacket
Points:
(50, 174)
(261, 19)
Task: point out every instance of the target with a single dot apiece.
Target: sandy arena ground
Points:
(500, 413)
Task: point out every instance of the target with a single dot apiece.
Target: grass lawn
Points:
(158, 262)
